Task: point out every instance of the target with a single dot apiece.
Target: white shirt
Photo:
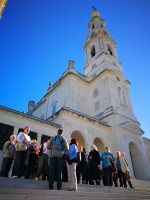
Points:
(23, 137)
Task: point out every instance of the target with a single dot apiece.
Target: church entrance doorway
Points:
(79, 137)
(136, 160)
(99, 144)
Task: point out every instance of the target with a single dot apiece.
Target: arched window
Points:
(110, 50)
(54, 110)
(54, 107)
(92, 35)
(95, 93)
(93, 52)
(97, 106)
(42, 116)
(93, 26)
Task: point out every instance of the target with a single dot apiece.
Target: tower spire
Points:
(99, 47)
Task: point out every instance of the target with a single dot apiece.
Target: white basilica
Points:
(94, 107)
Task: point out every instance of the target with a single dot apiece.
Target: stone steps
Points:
(22, 189)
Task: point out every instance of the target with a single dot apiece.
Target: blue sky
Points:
(38, 37)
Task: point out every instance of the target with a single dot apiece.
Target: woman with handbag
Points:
(127, 174)
(72, 158)
(23, 141)
(121, 169)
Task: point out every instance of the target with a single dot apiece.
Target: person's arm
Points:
(112, 157)
(20, 137)
(103, 156)
(65, 146)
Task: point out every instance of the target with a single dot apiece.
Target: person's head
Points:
(59, 132)
(69, 140)
(26, 130)
(123, 154)
(73, 141)
(80, 148)
(107, 150)
(84, 150)
(45, 140)
(118, 154)
(12, 138)
(33, 142)
(93, 147)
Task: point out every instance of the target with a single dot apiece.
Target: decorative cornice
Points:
(146, 139)
(113, 111)
(80, 115)
(132, 127)
(21, 114)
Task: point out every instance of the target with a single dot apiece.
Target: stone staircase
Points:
(22, 189)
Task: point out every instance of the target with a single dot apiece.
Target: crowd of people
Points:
(58, 160)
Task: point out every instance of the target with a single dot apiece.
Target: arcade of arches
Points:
(82, 141)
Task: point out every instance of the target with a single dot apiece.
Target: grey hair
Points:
(95, 147)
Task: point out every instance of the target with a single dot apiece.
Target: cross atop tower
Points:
(94, 8)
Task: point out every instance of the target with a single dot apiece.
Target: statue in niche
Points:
(121, 97)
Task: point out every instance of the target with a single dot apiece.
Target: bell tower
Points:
(100, 48)
(104, 70)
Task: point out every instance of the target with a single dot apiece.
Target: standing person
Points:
(107, 167)
(121, 169)
(42, 171)
(8, 156)
(58, 146)
(93, 166)
(80, 169)
(23, 141)
(72, 153)
(86, 167)
(32, 159)
(129, 181)
(69, 141)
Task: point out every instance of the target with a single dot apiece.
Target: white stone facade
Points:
(94, 108)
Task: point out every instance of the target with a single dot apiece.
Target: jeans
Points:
(55, 171)
(107, 173)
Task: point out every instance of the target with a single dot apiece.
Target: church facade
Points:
(94, 108)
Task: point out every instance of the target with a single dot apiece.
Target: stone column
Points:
(16, 130)
(39, 138)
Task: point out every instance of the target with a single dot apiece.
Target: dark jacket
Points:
(95, 161)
